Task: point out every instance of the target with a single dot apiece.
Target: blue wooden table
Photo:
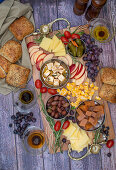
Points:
(12, 153)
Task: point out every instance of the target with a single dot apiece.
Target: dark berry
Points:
(33, 120)
(10, 125)
(109, 154)
(70, 118)
(64, 140)
(13, 117)
(16, 103)
(15, 131)
(107, 128)
(31, 113)
(18, 125)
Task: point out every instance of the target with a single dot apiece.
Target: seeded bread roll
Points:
(108, 92)
(2, 73)
(11, 50)
(108, 75)
(17, 75)
(4, 66)
(21, 27)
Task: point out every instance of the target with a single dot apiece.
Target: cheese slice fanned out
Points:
(56, 42)
(45, 44)
(60, 47)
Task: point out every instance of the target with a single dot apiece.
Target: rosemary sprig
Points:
(97, 136)
(57, 134)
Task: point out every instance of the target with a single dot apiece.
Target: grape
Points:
(89, 57)
(91, 71)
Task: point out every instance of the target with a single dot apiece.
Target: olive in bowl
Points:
(57, 107)
(76, 48)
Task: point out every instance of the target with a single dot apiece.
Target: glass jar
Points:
(80, 6)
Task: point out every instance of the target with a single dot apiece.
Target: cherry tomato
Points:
(64, 40)
(74, 36)
(110, 143)
(66, 124)
(57, 126)
(38, 84)
(67, 34)
(52, 91)
(43, 90)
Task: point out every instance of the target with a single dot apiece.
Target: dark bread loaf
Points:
(21, 27)
(17, 75)
(12, 51)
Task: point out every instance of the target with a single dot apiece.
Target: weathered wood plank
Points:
(8, 157)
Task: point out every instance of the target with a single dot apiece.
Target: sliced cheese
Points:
(51, 46)
(69, 131)
(60, 53)
(56, 41)
(59, 47)
(45, 44)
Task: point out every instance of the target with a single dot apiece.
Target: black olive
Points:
(13, 117)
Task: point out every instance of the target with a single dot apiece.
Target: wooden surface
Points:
(12, 153)
(45, 97)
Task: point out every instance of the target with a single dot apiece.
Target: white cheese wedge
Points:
(51, 78)
(46, 74)
(50, 65)
(56, 82)
(61, 78)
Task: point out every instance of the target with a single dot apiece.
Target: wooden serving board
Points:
(47, 129)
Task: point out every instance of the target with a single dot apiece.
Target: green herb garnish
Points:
(57, 134)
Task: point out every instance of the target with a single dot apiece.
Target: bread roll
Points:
(5, 64)
(17, 75)
(108, 75)
(2, 73)
(108, 92)
(11, 50)
(21, 27)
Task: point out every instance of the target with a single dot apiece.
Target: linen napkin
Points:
(9, 11)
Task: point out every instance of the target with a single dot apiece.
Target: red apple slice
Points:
(48, 57)
(39, 64)
(37, 54)
(80, 74)
(76, 66)
(81, 80)
(33, 47)
(65, 60)
(72, 67)
(69, 58)
(75, 72)
(42, 56)
(79, 70)
(32, 59)
(33, 51)
(30, 44)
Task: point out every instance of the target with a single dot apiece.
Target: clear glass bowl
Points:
(36, 148)
(26, 104)
(102, 22)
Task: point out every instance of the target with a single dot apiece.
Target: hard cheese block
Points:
(78, 137)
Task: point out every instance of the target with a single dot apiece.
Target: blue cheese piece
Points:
(61, 78)
(56, 82)
(46, 74)
(50, 65)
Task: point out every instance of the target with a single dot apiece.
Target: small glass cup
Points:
(35, 141)
(103, 23)
(24, 98)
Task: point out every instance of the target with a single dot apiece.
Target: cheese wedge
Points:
(59, 47)
(51, 46)
(56, 41)
(60, 53)
(45, 44)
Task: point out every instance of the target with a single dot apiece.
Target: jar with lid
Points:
(94, 9)
(80, 6)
